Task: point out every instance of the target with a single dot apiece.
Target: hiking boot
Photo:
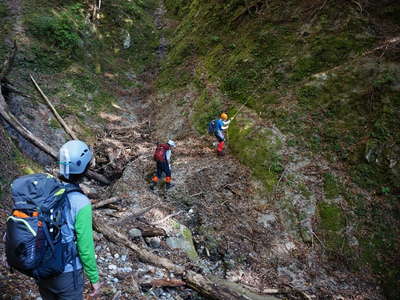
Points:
(169, 185)
(220, 153)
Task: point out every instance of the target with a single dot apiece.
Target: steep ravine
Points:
(272, 219)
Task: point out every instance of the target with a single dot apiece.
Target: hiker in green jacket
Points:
(75, 158)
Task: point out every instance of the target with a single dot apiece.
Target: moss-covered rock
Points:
(183, 240)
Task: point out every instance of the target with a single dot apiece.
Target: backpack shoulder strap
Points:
(70, 187)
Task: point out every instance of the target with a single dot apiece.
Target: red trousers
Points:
(220, 146)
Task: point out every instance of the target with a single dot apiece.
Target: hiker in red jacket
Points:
(162, 156)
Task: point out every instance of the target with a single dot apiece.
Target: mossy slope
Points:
(315, 70)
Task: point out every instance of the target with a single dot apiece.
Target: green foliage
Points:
(331, 186)
(327, 52)
(3, 10)
(257, 149)
(332, 224)
(4, 29)
(206, 109)
(53, 123)
(62, 29)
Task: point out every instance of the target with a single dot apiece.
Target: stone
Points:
(135, 233)
(127, 40)
(267, 220)
(184, 241)
(155, 242)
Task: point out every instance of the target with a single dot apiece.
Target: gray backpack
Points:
(34, 239)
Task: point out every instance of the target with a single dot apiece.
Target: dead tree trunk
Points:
(211, 287)
(55, 113)
(105, 202)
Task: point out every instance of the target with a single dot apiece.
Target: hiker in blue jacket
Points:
(162, 156)
(221, 125)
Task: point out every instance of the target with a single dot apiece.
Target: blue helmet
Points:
(75, 157)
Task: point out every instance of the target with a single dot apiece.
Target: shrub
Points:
(63, 29)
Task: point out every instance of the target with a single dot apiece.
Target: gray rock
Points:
(155, 242)
(127, 40)
(112, 267)
(135, 233)
(124, 257)
(183, 241)
(267, 220)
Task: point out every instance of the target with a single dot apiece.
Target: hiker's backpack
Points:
(212, 126)
(159, 153)
(35, 243)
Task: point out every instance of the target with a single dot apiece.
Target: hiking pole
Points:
(234, 116)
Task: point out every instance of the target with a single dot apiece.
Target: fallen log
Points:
(165, 282)
(105, 202)
(10, 119)
(210, 287)
(151, 231)
(54, 111)
(166, 218)
(143, 254)
(134, 215)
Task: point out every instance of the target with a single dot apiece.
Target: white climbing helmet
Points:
(171, 143)
(75, 157)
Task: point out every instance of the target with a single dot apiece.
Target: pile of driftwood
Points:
(115, 148)
(207, 285)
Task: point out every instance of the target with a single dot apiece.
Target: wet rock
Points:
(155, 242)
(135, 233)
